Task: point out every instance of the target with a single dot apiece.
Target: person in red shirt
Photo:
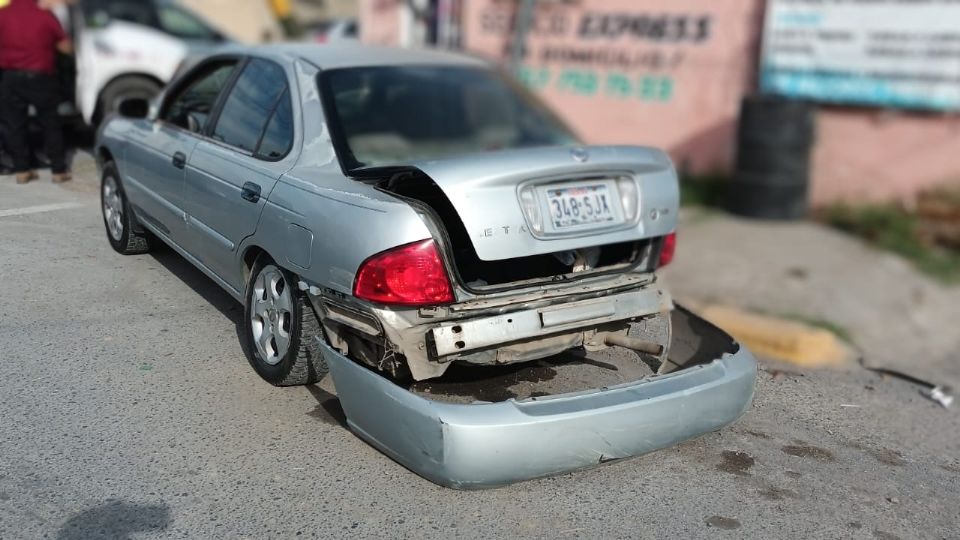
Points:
(30, 37)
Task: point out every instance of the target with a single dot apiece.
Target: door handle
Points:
(250, 192)
(179, 160)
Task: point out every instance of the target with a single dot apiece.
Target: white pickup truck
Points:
(128, 48)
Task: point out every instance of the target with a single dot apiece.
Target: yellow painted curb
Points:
(780, 339)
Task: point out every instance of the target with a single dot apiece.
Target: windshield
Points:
(395, 115)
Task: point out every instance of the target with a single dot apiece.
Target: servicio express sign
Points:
(888, 53)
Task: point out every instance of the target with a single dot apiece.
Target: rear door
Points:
(234, 169)
(156, 156)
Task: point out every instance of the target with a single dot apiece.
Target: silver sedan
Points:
(385, 215)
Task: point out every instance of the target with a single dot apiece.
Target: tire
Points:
(121, 225)
(132, 86)
(280, 328)
(761, 158)
(762, 199)
(777, 121)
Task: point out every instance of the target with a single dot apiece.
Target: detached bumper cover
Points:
(491, 444)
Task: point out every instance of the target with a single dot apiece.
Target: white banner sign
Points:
(888, 53)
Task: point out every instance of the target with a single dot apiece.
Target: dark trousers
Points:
(19, 90)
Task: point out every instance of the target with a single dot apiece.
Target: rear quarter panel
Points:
(325, 228)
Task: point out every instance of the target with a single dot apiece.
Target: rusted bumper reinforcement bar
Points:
(471, 446)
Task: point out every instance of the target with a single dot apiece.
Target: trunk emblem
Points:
(580, 155)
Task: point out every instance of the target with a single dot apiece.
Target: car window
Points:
(179, 22)
(99, 12)
(389, 115)
(250, 104)
(190, 108)
(278, 136)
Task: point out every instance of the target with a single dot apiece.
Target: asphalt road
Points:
(127, 410)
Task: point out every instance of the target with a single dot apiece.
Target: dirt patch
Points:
(572, 371)
(951, 468)
(778, 494)
(493, 384)
(889, 457)
(737, 463)
(806, 451)
(725, 523)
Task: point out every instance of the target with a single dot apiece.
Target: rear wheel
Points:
(119, 221)
(281, 328)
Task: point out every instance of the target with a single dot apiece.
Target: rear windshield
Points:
(395, 115)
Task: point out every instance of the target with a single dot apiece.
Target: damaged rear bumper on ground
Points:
(481, 445)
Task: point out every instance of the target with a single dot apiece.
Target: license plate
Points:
(582, 205)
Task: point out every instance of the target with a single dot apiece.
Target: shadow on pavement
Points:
(116, 520)
(209, 290)
(328, 408)
(198, 282)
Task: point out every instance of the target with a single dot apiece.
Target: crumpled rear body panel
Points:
(491, 444)
(484, 191)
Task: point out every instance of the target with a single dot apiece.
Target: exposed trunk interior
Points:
(479, 275)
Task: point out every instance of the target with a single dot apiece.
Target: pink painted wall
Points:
(380, 21)
(688, 104)
(682, 87)
(864, 155)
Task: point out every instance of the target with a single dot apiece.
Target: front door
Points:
(234, 169)
(157, 156)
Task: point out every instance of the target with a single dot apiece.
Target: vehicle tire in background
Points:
(755, 157)
(775, 140)
(123, 231)
(130, 86)
(776, 121)
(767, 196)
(280, 328)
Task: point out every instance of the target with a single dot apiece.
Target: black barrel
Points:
(775, 139)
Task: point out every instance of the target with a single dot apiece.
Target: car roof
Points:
(337, 55)
(334, 56)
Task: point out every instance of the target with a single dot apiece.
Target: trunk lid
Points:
(498, 195)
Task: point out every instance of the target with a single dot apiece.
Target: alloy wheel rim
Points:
(113, 208)
(272, 315)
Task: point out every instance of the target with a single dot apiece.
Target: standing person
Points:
(29, 40)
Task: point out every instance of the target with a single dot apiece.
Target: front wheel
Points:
(117, 217)
(281, 328)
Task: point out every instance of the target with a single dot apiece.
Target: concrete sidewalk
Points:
(899, 318)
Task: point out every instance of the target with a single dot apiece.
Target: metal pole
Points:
(520, 30)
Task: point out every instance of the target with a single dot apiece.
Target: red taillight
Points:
(411, 275)
(669, 248)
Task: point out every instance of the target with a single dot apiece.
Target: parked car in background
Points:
(131, 49)
(333, 30)
(384, 214)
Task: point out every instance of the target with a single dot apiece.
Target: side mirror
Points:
(194, 125)
(134, 108)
